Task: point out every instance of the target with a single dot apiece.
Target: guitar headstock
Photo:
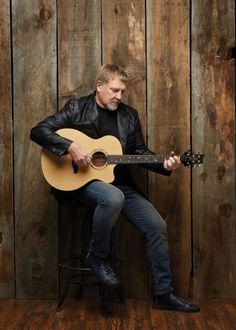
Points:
(191, 158)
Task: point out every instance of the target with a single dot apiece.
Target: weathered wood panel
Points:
(79, 56)
(169, 124)
(142, 36)
(7, 288)
(213, 130)
(79, 47)
(124, 45)
(35, 81)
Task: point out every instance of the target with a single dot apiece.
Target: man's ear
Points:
(99, 85)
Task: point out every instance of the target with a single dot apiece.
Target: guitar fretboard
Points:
(135, 159)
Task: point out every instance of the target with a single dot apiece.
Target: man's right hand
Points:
(79, 155)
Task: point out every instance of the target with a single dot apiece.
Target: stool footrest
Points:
(82, 268)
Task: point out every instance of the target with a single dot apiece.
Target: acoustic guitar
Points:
(106, 152)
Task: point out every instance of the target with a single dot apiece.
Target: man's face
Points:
(109, 95)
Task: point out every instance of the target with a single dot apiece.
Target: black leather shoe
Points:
(102, 270)
(171, 302)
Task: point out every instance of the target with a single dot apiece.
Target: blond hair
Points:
(110, 71)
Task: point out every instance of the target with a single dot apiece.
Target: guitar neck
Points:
(135, 159)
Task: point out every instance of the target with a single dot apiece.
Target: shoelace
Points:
(182, 300)
(107, 268)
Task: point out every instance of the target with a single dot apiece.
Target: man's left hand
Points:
(172, 163)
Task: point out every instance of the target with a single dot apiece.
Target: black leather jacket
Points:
(82, 114)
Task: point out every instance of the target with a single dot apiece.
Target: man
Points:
(103, 113)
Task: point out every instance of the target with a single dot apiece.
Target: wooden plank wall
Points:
(169, 124)
(35, 96)
(213, 130)
(178, 54)
(79, 47)
(6, 178)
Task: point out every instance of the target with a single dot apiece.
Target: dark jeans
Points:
(108, 201)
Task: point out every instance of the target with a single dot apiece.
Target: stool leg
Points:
(80, 291)
(105, 296)
(63, 296)
(119, 294)
(84, 244)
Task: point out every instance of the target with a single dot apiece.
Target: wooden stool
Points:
(72, 265)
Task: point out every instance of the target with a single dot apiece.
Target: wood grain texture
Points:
(34, 63)
(213, 130)
(168, 66)
(79, 56)
(7, 288)
(124, 44)
(79, 47)
(149, 38)
(135, 314)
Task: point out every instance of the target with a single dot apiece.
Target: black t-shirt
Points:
(108, 122)
(108, 126)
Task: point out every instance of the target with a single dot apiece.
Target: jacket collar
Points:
(122, 122)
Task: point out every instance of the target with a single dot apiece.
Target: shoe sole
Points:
(176, 309)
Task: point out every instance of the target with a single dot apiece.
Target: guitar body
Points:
(106, 152)
(60, 172)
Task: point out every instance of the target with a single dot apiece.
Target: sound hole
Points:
(99, 159)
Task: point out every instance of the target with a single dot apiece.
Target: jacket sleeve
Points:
(44, 132)
(142, 149)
